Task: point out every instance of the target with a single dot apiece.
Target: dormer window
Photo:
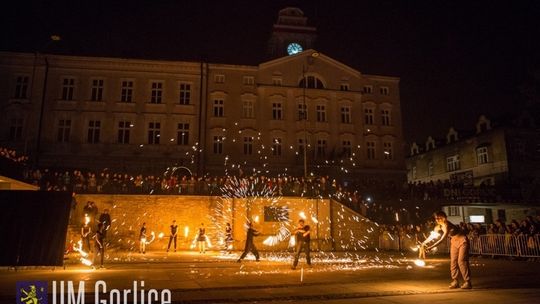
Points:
(414, 149)
(452, 136)
(430, 144)
(483, 124)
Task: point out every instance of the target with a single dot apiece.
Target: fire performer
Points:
(303, 239)
(85, 236)
(142, 239)
(459, 250)
(100, 246)
(228, 238)
(201, 239)
(173, 236)
(250, 246)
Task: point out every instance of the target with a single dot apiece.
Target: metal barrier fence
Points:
(488, 244)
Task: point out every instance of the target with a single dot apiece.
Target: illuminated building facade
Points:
(96, 112)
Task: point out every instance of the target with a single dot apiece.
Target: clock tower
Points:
(290, 34)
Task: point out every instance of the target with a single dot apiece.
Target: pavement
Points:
(359, 277)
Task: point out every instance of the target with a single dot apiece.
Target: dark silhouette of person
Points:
(303, 239)
(201, 239)
(173, 236)
(142, 239)
(459, 250)
(99, 245)
(105, 219)
(86, 230)
(250, 246)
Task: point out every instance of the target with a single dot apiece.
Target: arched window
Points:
(312, 83)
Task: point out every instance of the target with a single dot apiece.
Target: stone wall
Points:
(333, 226)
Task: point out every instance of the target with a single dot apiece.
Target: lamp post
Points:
(304, 118)
(304, 107)
(53, 38)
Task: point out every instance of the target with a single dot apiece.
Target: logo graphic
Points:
(32, 292)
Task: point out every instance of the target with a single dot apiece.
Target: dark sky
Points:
(456, 59)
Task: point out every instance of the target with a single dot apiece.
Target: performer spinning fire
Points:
(303, 239)
(459, 250)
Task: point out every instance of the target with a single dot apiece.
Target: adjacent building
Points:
(484, 173)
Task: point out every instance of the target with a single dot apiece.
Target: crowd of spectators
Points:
(529, 226)
(382, 201)
(12, 163)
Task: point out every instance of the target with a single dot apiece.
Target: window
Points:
(248, 109)
(219, 107)
(452, 163)
(94, 130)
(218, 145)
(15, 128)
(368, 116)
(387, 151)
(64, 128)
(346, 114)
(311, 82)
(276, 147)
(454, 211)
(157, 92)
(123, 132)
(321, 113)
(248, 80)
(277, 113)
(154, 129)
(344, 87)
(385, 117)
(482, 155)
(413, 172)
(346, 148)
(68, 86)
(321, 147)
(367, 89)
(248, 145)
(127, 91)
(219, 78)
(430, 168)
(384, 90)
(97, 90)
(183, 134)
(302, 111)
(370, 150)
(276, 214)
(277, 81)
(185, 93)
(21, 87)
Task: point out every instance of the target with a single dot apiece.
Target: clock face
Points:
(294, 48)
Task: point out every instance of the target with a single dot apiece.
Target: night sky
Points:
(456, 59)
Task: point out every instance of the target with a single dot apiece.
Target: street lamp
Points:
(304, 107)
(53, 38)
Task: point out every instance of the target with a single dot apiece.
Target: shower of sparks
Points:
(152, 238)
(420, 263)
